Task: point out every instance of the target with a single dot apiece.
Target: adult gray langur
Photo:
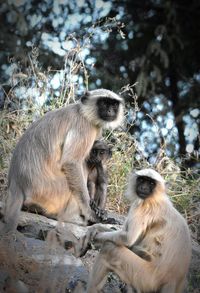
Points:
(47, 167)
(152, 251)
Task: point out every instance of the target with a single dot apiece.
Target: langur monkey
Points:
(97, 172)
(152, 251)
(47, 167)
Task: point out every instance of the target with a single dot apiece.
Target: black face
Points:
(145, 186)
(100, 155)
(100, 152)
(107, 109)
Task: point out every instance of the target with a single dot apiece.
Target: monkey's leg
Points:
(75, 178)
(180, 286)
(97, 278)
(131, 269)
(169, 288)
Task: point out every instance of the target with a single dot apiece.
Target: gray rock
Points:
(43, 266)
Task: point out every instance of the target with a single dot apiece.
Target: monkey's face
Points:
(103, 108)
(107, 109)
(145, 186)
(98, 155)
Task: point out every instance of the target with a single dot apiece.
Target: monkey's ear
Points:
(84, 98)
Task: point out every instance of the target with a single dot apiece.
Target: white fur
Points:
(105, 93)
(89, 110)
(152, 174)
(130, 192)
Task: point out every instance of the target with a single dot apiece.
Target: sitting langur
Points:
(47, 167)
(97, 172)
(152, 252)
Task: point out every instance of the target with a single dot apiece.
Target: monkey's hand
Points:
(94, 230)
(88, 216)
(88, 240)
(96, 162)
(85, 242)
(82, 246)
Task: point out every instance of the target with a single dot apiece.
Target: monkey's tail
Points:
(9, 214)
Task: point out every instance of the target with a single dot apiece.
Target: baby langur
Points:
(47, 167)
(152, 251)
(97, 176)
(97, 172)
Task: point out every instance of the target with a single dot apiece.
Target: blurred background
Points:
(52, 51)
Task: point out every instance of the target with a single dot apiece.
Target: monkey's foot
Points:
(100, 214)
(112, 221)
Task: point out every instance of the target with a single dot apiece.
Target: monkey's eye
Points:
(115, 105)
(94, 151)
(104, 104)
(152, 183)
(102, 152)
(141, 180)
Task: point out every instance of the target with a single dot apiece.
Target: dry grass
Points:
(12, 125)
(183, 186)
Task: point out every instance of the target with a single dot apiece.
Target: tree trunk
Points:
(176, 106)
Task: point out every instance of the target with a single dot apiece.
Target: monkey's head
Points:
(144, 184)
(103, 108)
(100, 152)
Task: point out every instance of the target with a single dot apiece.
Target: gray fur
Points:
(47, 166)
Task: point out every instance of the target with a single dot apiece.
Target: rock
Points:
(39, 264)
(194, 270)
(27, 258)
(27, 261)
(11, 285)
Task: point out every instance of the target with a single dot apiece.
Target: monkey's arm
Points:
(74, 150)
(101, 186)
(99, 234)
(75, 178)
(127, 236)
(130, 233)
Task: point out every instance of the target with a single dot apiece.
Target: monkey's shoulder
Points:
(60, 119)
(62, 114)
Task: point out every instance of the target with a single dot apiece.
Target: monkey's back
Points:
(167, 242)
(39, 144)
(176, 243)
